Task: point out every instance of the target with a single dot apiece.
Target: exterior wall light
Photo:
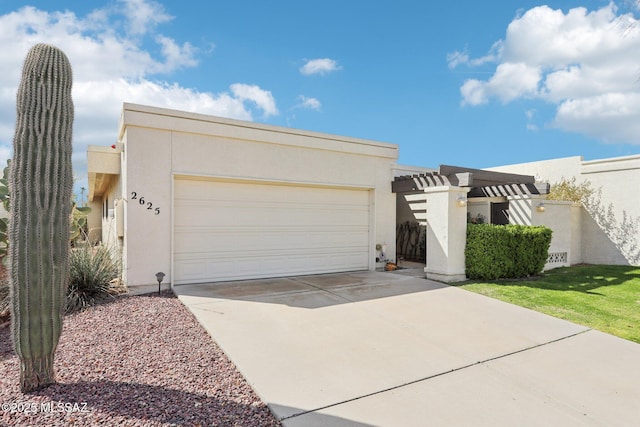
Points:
(462, 201)
(540, 208)
(159, 277)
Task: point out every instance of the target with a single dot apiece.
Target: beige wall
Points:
(613, 219)
(160, 144)
(553, 170)
(446, 233)
(558, 216)
(94, 221)
(610, 225)
(410, 206)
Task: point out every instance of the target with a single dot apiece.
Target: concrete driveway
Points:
(384, 349)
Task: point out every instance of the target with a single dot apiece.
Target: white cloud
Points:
(462, 58)
(309, 103)
(177, 56)
(143, 15)
(581, 61)
(457, 58)
(319, 66)
(531, 114)
(510, 81)
(262, 98)
(610, 117)
(111, 68)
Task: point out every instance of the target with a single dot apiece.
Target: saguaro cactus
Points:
(40, 184)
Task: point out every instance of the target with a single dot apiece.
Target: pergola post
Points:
(446, 233)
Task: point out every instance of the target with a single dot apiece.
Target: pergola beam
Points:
(483, 178)
(504, 190)
(484, 183)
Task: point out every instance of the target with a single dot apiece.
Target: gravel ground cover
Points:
(136, 361)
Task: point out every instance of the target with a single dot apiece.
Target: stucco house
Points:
(202, 198)
(205, 199)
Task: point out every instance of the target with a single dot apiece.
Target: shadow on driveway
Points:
(329, 289)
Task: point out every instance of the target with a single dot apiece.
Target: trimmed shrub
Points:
(505, 251)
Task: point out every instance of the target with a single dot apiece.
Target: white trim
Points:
(611, 165)
(136, 115)
(372, 229)
(274, 181)
(173, 229)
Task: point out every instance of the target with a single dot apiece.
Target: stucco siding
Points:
(609, 226)
(161, 145)
(553, 170)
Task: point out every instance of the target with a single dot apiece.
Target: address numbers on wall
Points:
(145, 203)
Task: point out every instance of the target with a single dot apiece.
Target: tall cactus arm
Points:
(40, 183)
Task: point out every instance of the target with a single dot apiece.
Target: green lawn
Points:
(602, 297)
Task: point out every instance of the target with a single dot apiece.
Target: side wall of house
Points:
(610, 224)
(613, 217)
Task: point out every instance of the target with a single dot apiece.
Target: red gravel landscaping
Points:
(136, 361)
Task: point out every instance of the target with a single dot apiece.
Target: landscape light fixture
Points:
(159, 276)
(540, 208)
(462, 201)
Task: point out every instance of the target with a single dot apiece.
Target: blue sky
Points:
(478, 84)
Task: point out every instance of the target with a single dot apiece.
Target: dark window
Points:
(500, 213)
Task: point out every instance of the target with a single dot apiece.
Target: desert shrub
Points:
(505, 251)
(571, 190)
(94, 274)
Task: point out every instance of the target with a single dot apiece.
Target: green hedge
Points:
(505, 251)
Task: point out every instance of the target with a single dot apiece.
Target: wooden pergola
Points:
(483, 183)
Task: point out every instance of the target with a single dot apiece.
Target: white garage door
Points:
(233, 230)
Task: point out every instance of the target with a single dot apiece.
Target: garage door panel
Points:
(262, 240)
(232, 230)
(228, 216)
(228, 213)
(204, 190)
(193, 271)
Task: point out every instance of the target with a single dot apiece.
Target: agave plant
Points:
(92, 270)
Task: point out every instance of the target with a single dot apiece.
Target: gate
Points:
(411, 241)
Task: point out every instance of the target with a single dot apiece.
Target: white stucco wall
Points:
(552, 170)
(612, 222)
(160, 144)
(558, 216)
(610, 226)
(94, 221)
(446, 235)
(410, 206)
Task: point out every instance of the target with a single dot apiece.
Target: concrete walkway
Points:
(383, 349)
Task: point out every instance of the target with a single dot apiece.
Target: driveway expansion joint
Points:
(470, 365)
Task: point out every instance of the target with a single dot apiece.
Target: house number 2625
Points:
(143, 202)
